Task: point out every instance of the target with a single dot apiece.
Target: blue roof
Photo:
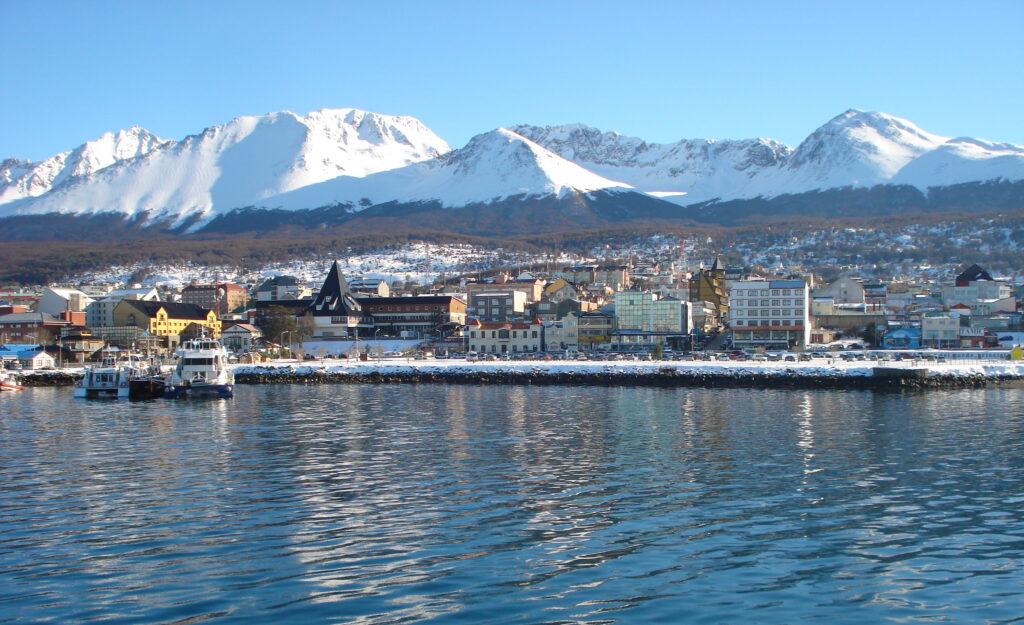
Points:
(786, 284)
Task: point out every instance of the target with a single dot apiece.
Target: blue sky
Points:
(662, 71)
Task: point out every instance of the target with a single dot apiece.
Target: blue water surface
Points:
(513, 504)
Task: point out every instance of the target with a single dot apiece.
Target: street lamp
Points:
(289, 333)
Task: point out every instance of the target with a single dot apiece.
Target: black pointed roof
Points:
(717, 265)
(335, 299)
(973, 273)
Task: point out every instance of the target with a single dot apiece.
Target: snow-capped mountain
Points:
(493, 166)
(688, 171)
(240, 163)
(21, 179)
(857, 148)
(854, 149)
(345, 161)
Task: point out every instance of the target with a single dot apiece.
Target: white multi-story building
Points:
(940, 330)
(505, 337)
(769, 313)
(562, 334)
(55, 301)
(100, 313)
(974, 285)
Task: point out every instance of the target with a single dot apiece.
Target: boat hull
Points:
(101, 393)
(176, 391)
(147, 388)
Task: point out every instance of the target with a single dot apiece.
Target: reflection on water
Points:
(382, 504)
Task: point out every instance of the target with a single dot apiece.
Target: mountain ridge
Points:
(344, 161)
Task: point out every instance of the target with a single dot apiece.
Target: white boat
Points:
(112, 377)
(7, 382)
(202, 370)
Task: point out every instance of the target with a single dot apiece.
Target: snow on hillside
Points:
(419, 262)
(493, 166)
(23, 179)
(964, 160)
(241, 162)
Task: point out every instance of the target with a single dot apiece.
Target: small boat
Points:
(202, 370)
(7, 382)
(112, 377)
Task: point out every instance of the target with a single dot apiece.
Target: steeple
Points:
(334, 295)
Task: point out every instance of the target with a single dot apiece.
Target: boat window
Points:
(198, 362)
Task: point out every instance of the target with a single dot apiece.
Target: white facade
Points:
(504, 338)
(100, 313)
(562, 334)
(940, 330)
(769, 313)
(975, 291)
(845, 290)
(58, 301)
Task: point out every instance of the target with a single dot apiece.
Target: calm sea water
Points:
(484, 504)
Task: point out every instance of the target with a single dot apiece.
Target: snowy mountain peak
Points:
(508, 156)
(23, 179)
(861, 148)
(236, 164)
(491, 167)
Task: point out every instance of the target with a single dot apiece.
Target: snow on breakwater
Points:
(782, 374)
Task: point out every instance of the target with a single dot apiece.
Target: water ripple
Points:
(396, 504)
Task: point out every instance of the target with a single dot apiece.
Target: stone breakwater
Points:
(653, 374)
(49, 378)
(668, 377)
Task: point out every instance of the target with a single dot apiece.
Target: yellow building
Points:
(709, 286)
(165, 318)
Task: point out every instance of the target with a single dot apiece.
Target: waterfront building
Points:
(770, 313)
(939, 329)
(335, 312)
(643, 320)
(165, 318)
(505, 337)
(415, 316)
(595, 329)
(241, 337)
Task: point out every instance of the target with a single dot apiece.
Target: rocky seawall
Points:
(653, 376)
(667, 378)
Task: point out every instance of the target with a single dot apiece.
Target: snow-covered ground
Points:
(455, 366)
(419, 262)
